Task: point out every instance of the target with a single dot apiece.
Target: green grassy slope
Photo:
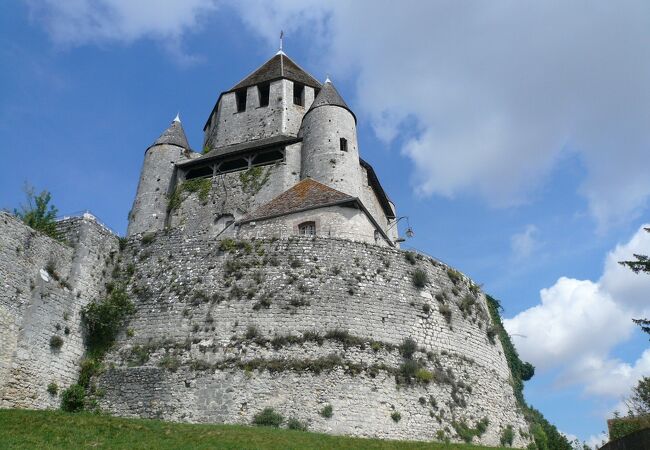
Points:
(21, 429)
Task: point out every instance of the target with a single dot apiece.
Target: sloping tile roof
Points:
(329, 96)
(305, 195)
(280, 66)
(174, 135)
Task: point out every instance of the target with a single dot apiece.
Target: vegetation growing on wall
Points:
(254, 179)
(545, 434)
(38, 213)
(200, 185)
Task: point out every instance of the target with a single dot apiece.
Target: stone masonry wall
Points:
(224, 329)
(281, 116)
(342, 222)
(43, 286)
(236, 193)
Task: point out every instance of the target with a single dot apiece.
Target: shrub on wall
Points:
(56, 342)
(72, 399)
(623, 426)
(327, 411)
(53, 388)
(268, 418)
(420, 278)
(104, 318)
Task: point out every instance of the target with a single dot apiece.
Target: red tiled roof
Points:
(305, 195)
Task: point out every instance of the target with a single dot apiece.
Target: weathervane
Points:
(281, 38)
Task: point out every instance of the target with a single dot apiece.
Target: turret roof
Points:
(329, 96)
(174, 135)
(279, 66)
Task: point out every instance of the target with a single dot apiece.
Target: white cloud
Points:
(488, 96)
(491, 95)
(79, 22)
(525, 243)
(578, 322)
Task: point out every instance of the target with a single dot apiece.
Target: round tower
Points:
(149, 212)
(330, 153)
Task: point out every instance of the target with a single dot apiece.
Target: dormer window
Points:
(343, 143)
(240, 98)
(307, 229)
(263, 91)
(298, 94)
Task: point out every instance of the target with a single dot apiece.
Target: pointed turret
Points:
(329, 96)
(174, 135)
(149, 212)
(329, 147)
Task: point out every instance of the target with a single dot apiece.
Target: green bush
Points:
(408, 370)
(268, 418)
(507, 436)
(72, 399)
(104, 318)
(295, 424)
(53, 388)
(89, 368)
(466, 433)
(327, 411)
(454, 275)
(420, 278)
(56, 342)
(396, 416)
(423, 376)
(623, 426)
(445, 310)
(408, 347)
(410, 257)
(38, 213)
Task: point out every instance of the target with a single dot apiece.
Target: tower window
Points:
(343, 143)
(298, 94)
(240, 98)
(263, 92)
(307, 229)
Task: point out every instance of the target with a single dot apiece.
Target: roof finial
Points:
(280, 52)
(327, 78)
(177, 118)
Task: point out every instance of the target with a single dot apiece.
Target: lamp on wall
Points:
(409, 231)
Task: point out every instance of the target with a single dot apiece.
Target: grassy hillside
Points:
(21, 429)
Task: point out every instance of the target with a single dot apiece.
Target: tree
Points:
(38, 213)
(641, 264)
(639, 401)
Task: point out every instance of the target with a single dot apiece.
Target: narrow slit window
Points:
(343, 143)
(240, 98)
(263, 91)
(307, 229)
(298, 94)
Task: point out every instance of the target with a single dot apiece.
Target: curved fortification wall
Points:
(224, 329)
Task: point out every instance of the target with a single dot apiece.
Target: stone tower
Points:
(269, 102)
(149, 211)
(330, 153)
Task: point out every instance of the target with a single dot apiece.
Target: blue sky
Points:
(514, 138)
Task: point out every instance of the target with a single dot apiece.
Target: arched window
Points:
(307, 229)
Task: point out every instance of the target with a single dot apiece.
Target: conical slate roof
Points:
(280, 66)
(174, 135)
(329, 96)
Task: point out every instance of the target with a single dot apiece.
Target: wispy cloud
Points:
(81, 22)
(526, 243)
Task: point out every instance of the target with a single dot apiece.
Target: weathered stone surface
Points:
(44, 285)
(196, 305)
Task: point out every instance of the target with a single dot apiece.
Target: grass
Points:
(22, 429)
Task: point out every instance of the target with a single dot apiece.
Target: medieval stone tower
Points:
(264, 272)
(275, 132)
